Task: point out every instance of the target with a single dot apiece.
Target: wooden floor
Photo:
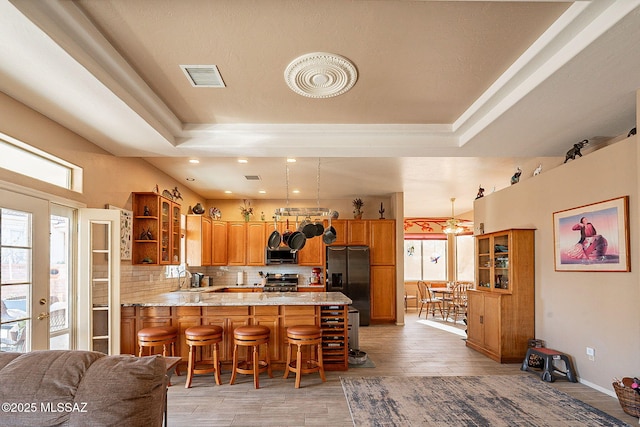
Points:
(411, 350)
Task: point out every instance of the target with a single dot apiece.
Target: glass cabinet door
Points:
(483, 263)
(501, 261)
(99, 289)
(165, 232)
(175, 235)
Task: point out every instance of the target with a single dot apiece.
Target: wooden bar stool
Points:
(251, 336)
(156, 336)
(202, 336)
(305, 335)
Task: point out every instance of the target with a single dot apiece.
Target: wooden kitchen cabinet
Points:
(312, 253)
(383, 293)
(382, 241)
(236, 243)
(500, 314)
(358, 232)
(199, 248)
(340, 226)
(256, 243)
(156, 230)
(219, 243)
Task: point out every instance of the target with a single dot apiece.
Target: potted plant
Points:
(357, 208)
(246, 209)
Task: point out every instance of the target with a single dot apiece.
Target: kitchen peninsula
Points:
(276, 310)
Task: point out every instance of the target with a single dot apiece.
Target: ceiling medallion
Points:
(320, 75)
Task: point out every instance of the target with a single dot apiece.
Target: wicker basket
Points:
(628, 397)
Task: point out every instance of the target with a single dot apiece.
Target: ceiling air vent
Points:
(203, 75)
(252, 177)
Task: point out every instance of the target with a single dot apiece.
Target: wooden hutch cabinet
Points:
(156, 230)
(500, 312)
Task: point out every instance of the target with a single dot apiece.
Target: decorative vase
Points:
(357, 214)
(247, 217)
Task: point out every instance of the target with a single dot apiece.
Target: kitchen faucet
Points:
(187, 275)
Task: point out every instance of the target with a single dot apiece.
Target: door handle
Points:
(42, 316)
(481, 320)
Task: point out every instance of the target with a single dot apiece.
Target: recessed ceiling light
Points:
(296, 191)
(243, 161)
(227, 192)
(191, 179)
(262, 192)
(291, 160)
(194, 161)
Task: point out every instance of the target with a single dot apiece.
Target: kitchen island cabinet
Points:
(276, 310)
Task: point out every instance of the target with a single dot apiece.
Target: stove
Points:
(281, 283)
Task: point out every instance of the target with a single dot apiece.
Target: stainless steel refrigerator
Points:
(348, 272)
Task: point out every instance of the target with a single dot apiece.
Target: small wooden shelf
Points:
(163, 222)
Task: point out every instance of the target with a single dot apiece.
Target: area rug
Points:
(507, 400)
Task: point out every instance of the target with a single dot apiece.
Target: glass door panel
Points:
(61, 277)
(24, 289)
(99, 325)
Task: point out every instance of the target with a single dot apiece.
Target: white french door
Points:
(24, 274)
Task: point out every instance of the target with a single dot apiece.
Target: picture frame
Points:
(593, 237)
(126, 228)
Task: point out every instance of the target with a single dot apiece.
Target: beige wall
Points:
(575, 310)
(231, 208)
(107, 179)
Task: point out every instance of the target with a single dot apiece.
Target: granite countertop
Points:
(177, 299)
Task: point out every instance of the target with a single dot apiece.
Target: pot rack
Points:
(307, 212)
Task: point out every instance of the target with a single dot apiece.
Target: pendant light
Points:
(452, 225)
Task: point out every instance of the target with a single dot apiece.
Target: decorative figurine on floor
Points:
(538, 170)
(575, 151)
(381, 211)
(516, 176)
(480, 192)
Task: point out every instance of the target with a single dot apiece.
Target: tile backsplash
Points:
(138, 282)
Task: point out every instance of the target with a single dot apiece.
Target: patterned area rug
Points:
(507, 400)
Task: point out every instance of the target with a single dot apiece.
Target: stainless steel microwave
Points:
(281, 256)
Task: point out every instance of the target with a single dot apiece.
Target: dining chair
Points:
(458, 304)
(428, 301)
(407, 297)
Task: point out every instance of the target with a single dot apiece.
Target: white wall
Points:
(575, 310)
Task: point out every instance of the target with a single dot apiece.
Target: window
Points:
(465, 260)
(425, 259)
(21, 158)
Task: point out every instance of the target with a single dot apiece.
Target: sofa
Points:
(81, 388)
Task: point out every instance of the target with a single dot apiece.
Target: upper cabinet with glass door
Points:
(501, 258)
(156, 230)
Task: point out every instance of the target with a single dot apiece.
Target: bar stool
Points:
(304, 335)
(156, 336)
(251, 336)
(202, 336)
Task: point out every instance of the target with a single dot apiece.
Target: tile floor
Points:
(411, 350)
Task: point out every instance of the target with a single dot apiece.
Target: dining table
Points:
(444, 294)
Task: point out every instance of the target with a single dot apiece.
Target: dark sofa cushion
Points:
(39, 378)
(122, 391)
